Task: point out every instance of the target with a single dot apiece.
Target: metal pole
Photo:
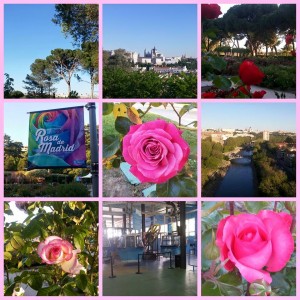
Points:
(111, 268)
(138, 272)
(170, 253)
(182, 235)
(91, 107)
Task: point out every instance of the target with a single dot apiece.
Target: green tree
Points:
(12, 153)
(65, 63)
(89, 63)
(78, 20)
(40, 82)
(8, 86)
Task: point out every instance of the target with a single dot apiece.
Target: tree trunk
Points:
(69, 87)
(266, 51)
(92, 86)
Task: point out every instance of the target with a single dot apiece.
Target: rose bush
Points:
(155, 150)
(289, 38)
(250, 73)
(256, 244)
(55, 250)
(210, 11)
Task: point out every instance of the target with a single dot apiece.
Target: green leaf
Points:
(28, 261)
(122, 125)
(217, 63)
(53, 290)
(177, 187)
(10, 290)
(156, 104)
(107, 108)
(7, 256)
(32, 230)
(255, 206)
(79, 240)
(81, 281)
(18, 240)
(9, 247)
(231, 278)
(68, 290)
(229, 290)
(111, 145)
(210, 289)
(222, 83)
(187, 108)
(235, 79)
(35, 282)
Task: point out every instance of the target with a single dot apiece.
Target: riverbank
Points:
(215, 180)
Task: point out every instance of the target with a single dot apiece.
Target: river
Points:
(240, 180)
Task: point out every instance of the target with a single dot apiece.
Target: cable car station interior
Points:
(147, 251)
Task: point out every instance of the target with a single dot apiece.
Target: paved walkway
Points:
(269, 95)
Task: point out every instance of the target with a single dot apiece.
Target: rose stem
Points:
(145, 112)
(293, 222)
(231, 208)
(248, 287)
(275, 206)
(176, 112)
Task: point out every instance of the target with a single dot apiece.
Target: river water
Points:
(239, 180)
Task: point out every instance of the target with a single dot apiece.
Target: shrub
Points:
(71, 190)
(279, 77)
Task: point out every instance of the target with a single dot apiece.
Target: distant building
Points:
(156, 58)
(266, 135)
(228, 130)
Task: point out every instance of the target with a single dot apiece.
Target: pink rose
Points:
(55, 250)
(155, 150)
(256, 244)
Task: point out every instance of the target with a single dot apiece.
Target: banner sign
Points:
(56, 139)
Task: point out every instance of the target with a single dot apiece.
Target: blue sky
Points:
(171, 28)
(29, 34)
(16, 117)
(259, 116)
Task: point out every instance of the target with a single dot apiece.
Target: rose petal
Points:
(248, 273)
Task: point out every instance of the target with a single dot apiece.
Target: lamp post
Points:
(91, 107)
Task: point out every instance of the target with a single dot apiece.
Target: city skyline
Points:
(171, 28)
(258, 116)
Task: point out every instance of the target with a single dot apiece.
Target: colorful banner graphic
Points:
(56, 139)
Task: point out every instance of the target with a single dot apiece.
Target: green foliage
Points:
(8, 86)
(39, 190)
(64, 63)
(273, 182)
(73, 95)
(279, 77)
(177, 186)
(72, 221)
(12, 153)
(121, 83)
(78, 20)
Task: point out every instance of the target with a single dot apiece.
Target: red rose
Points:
(293, 53)
(258, 94)
(289, 39)
(245, 90)
(256, 244)
(250, 73)
(210, 11)
(209, 95)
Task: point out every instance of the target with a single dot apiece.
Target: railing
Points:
(112, 275)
